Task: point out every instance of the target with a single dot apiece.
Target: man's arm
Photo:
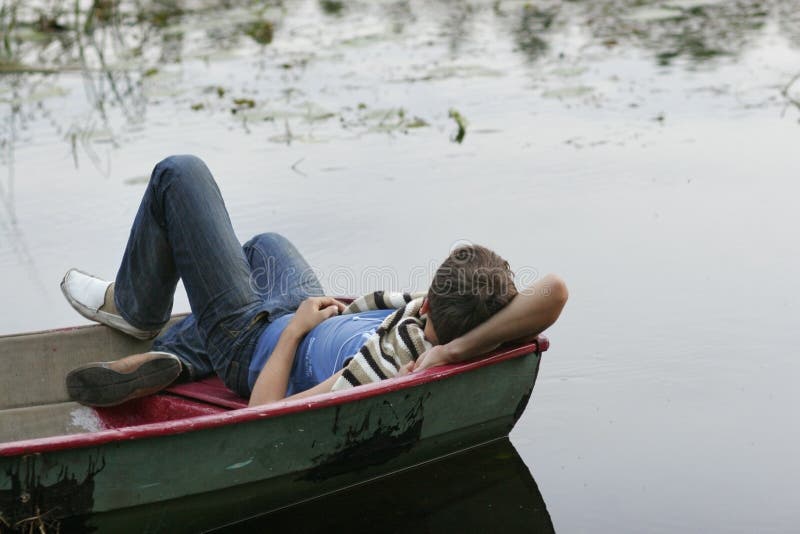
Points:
(274, 377)
(528, 314)
(323, 387)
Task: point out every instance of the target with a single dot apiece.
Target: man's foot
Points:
(94, 299)
(112, 383)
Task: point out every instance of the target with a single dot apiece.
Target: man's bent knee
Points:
(179, 170)
(268, 242)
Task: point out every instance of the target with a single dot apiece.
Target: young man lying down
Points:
(259, 318)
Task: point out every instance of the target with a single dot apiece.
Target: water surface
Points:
(643, 150)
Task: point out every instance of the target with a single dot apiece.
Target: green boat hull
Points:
(198, 478)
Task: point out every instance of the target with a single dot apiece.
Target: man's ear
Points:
(425, 308)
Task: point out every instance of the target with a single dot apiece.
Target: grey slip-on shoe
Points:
(112, 383)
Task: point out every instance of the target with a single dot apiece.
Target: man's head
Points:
(470, 286)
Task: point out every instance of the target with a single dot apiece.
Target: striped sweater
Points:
(398, 340)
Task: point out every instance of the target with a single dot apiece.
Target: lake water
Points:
(645, 151)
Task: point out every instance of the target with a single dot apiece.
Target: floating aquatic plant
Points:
(461, 122)
(331, 7)
(260, 31)
(242, 104)
(162, 13)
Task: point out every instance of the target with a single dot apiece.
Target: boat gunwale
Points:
(67, 329)
(254, 413)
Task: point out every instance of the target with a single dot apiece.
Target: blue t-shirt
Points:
(322, 352)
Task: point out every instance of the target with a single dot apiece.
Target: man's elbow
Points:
(260, 400)
(558, 294)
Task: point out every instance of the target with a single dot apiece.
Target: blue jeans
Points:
(182, 231)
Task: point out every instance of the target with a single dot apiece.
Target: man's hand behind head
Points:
(435, 356)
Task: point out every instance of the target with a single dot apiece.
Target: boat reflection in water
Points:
(486, 489)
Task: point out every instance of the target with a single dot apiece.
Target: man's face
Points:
(430, 333)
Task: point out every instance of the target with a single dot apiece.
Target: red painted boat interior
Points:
(205, 397)
(208, 403)
(154, 409)
(210, 390)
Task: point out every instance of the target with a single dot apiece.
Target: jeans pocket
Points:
(239, 352)
(235, 326)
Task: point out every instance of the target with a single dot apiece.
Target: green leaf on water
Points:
(261, 31)
(331, 7)
(246, 103)
(417, 122)
(461, 122)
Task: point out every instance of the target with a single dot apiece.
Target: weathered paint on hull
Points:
(302, 454)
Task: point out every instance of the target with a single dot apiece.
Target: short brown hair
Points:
(470, 286)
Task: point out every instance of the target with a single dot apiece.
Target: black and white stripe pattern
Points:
(398, 340)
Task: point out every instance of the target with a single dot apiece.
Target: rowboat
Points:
(195, 457)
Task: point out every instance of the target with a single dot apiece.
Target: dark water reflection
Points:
(489, 489)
